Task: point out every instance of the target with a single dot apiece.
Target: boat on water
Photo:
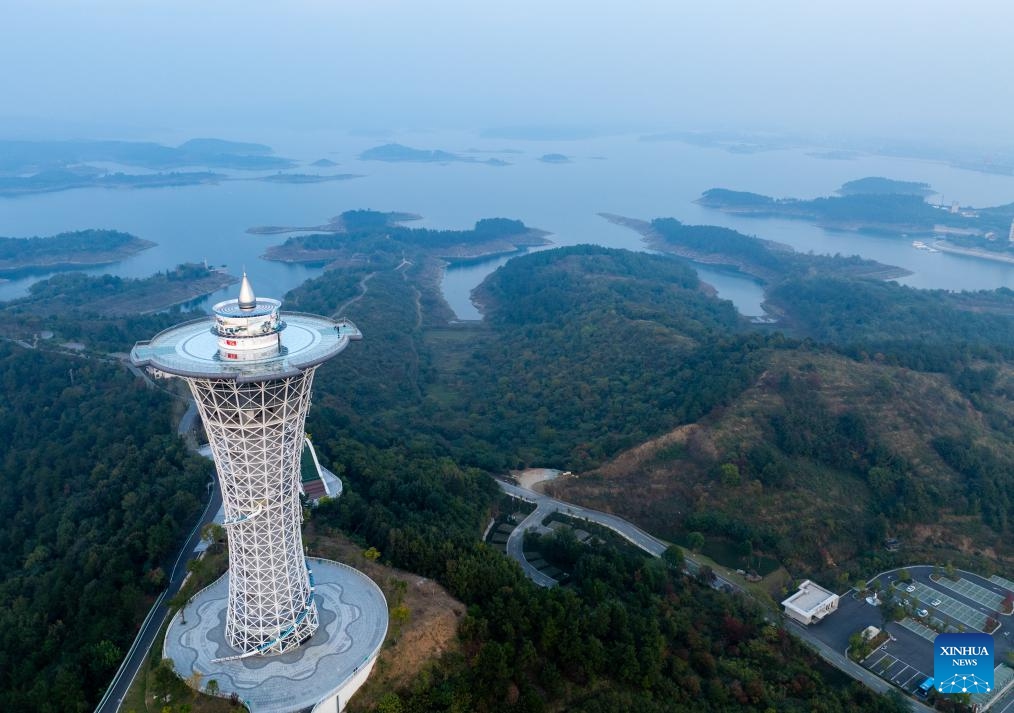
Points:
(920, 245)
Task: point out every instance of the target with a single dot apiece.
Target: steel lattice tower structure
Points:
(250, 368)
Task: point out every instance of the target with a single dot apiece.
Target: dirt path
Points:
(362, 293)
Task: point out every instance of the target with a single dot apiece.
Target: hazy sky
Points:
(862, 66)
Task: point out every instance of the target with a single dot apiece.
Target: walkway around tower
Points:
(353, 624)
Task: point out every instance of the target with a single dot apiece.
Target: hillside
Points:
(816, 464)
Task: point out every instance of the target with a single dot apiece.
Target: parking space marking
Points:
(900, 674)
(915, 675)
(897, 672)
(951, 606)
(883, 654)
(917, 628)
(881, 667)
(973, 591)
(1003, 582)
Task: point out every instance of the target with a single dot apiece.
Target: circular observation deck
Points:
(193, 349)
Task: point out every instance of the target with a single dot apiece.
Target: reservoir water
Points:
(611, 174)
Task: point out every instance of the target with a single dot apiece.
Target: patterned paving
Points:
(353, 624)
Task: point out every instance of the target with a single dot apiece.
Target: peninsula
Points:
(767, 260)
(111, 296)
(81, 248)
(886, 207)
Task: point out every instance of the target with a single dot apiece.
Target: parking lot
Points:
(895, 670)
(906, 660)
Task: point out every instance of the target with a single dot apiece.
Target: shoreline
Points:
(453, 255)
(948, 247)
(95, 259)
(656, 242)
(765, 276)
(225, 281)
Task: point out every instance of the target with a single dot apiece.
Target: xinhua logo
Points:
(963, 663)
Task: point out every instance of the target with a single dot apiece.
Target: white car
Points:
(910, 588)
(921, 612)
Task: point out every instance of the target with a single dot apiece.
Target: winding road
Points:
(546, 505)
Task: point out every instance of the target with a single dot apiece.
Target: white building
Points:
(811, 603)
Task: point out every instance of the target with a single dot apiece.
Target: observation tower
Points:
(250, 368)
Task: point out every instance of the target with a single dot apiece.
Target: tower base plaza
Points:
(320, 675)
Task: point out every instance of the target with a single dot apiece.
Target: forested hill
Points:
(627, 345)
(587, 350)
(97, 491)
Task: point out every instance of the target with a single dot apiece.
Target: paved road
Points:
(546, 505)
(516, 543)
(110, 703)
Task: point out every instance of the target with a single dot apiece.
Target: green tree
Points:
(695, 541)
(673, 556)
(729, 473)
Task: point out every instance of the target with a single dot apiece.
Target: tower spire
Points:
(247, 299)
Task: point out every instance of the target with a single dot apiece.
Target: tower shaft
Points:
(255, 430)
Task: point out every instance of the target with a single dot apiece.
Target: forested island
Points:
(30, 167)
(67, 179)
(349, 220)
(75, 293)
(307, 177)
(370, 237)
(878, 185)
(72, 249)
(20, 157)
(554, 158)
(884, 206)
(407, 154)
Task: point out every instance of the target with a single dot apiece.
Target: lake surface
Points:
(611, 174)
